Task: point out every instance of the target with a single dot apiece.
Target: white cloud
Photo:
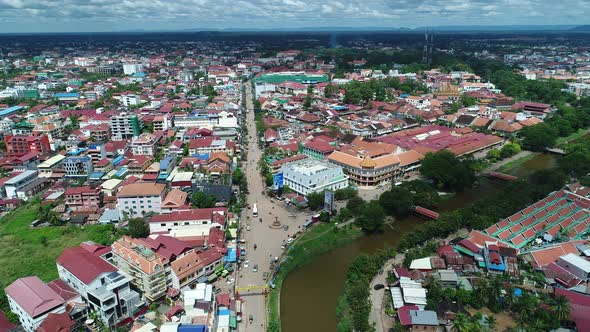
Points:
(116, 15)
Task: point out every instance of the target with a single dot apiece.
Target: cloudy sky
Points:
(121, 15)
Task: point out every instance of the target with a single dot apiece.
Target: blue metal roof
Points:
(10, 110)
(117, 160)
(66, 95)
(96, 175)
(121, 172)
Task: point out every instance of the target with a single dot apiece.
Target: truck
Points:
(254, 210)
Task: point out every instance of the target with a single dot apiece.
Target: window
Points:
(163, 225)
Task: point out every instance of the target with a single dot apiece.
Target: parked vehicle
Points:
(378, 287)
(255, 269)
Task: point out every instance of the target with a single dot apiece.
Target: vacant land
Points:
(32, 251)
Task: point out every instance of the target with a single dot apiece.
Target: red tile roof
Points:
(34, 296)
(83, 264)
(57, 323)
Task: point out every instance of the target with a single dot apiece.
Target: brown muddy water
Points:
(309, 294)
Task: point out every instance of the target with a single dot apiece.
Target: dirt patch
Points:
(503, 320)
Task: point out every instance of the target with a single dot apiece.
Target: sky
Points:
(124, 15)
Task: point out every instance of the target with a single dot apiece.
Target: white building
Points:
(100, 283)
(32, 300)
(138, 199)
(132, 68)
(124, 126)
(13, 185)
(193, 222)
(130, 100)
(312, 175)
(144, 145)
(78, 166)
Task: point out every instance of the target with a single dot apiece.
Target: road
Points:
(267, 239)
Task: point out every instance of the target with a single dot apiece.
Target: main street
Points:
(268, 240)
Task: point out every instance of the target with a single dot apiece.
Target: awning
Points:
(212, 277)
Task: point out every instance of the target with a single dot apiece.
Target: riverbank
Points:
(320, 239)
(514, 162)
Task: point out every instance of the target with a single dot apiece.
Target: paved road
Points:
(267, 239)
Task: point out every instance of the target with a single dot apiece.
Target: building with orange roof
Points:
(146, 267)
(366, 171)
(138, 199)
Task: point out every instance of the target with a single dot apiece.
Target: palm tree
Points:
(461, 323)
(560, 307)
(491, 322)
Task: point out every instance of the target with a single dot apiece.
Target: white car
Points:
(246, 263)
(289, 240)
(230, 281)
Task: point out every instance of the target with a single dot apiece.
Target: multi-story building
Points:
(367, 171)
(17, 183)
(191, 222)
(85, 198)
(106, 290)
(20, 145)
(132, 68)
(130, 100)
(125, 126)
(149, 270)
(78, 166)
(311, 175)
(208, 145)
(144, 145)
(32, 300)
(138, 199)
(51, 165)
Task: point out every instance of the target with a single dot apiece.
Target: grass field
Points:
(506, 168)
(577, 135)
(320, 239)
(25, 251)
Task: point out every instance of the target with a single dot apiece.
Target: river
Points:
(309, 294)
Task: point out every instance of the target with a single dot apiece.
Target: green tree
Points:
(538, 137)
(575, 163)
(447, 171)
(355, 204)
(560, 307)
(372, 217)
(200, 200)
(138, 228)
(494, 155)
(315, 200)
(397, 202)
(510, 149)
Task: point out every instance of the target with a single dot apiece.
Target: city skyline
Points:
(27, 16)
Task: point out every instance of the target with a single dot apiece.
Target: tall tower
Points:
(428, 46)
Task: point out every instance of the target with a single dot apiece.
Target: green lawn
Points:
(320, 239)
(578, 134)
(25, 251)
(506, 168)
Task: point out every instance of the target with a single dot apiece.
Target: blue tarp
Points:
(202, 156)
(192, 328)
(224, 312)
(231, 255)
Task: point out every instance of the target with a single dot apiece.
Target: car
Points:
(230, 281)
(378, 286)
(246, 263)
(289, 240)
(255, 269)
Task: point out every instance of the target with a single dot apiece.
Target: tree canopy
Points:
(447, 171)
